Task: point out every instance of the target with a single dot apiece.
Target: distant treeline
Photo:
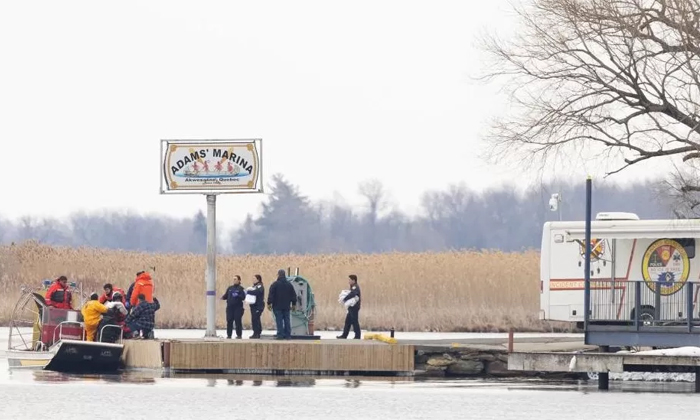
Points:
(453, 218)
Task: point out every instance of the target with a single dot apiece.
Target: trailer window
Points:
(689, 245)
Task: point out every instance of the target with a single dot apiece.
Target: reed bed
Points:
(448, 291)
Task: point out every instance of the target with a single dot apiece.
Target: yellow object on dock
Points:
(380, 337)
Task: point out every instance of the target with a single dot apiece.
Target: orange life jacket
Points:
(143, 285)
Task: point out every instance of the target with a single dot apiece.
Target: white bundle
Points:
(120, 306)
(342, 295)
(351, 302)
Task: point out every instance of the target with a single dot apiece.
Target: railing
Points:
(644, 303)
(121, 332)
(59, 330)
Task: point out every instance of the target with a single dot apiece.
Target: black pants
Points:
(255, 314)
(234, 315)
(352, 319)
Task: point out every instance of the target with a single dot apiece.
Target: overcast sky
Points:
(338, 91)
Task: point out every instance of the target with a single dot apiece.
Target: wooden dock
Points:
(287, 357)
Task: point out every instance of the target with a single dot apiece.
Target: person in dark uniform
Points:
(280, 297)
(353, 316)
(257, 308)
(234, 297)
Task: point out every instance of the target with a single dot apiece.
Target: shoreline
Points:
(437, 356)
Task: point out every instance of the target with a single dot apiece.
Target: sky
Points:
(339, 92)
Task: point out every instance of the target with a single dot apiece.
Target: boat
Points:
(48, 338)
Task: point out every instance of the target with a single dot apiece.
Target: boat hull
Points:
(71, 356)
(28, 359)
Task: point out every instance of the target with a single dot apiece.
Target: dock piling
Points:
(510, 340)
(603, 380)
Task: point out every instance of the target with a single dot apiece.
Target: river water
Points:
(31, 394)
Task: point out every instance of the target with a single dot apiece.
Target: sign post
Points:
(211, 266)
(211, 167)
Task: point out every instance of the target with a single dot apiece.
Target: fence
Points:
(644, 303)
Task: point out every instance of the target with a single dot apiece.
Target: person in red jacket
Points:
(143, 285)
(58, 294)
(110, 292)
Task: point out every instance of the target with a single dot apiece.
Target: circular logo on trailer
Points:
(666, 263)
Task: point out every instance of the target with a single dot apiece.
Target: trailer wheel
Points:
(592, 376)
(646, 315)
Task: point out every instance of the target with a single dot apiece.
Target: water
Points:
(29, 394)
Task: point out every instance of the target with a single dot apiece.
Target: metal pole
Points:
(587, 265)
(613, 313)
(560, 201)
(689, 304)
(637, 303)
(211, 266)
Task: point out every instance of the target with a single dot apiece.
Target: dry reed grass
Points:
(450, 291)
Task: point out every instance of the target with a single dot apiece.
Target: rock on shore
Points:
(467, 362)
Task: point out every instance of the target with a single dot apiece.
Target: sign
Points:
(665, 264)
(211, 166)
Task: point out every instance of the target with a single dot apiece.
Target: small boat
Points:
(54, 339)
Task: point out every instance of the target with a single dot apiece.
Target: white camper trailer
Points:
(624, 249)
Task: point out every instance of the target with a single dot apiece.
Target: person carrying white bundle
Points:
(255, 297)
(352, 301)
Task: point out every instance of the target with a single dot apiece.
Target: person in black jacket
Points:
(353, 316)
(234, 297)
(257, 308)
(281, 295)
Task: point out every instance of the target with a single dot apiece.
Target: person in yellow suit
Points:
(91, 315)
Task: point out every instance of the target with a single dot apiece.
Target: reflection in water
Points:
(352, 383)
(153, 378)
(47, 376)
(296, 382)
(126, 377)
(300, 381)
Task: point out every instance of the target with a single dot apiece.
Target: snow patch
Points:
(659, 376)
(652, 377)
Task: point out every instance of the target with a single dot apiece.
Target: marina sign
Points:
(211, 166)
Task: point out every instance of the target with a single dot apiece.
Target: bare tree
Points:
(373, 191)
(608, 78)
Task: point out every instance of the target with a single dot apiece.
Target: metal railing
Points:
(644, 303)
(121, 332)
(61, 336)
